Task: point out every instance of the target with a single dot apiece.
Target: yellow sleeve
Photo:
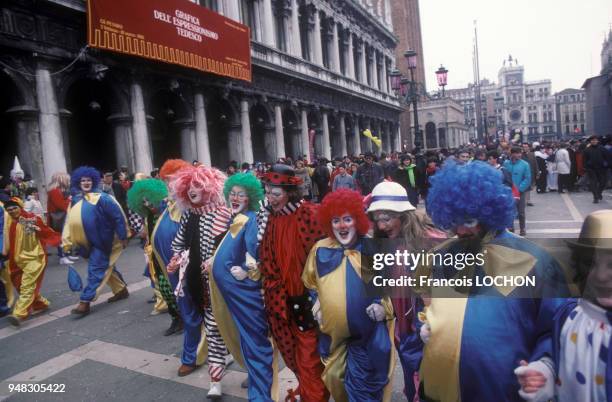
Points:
(5, 233)
(309, 275)
(66, 238)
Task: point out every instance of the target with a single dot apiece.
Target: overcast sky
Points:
(556, 39)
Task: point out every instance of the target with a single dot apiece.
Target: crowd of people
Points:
(272, 257)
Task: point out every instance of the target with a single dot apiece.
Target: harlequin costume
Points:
(356, 345)
(205, 220)
(237, 301)
(583, 327)
(147, 198)
(25, 238)
(96, 225)
(478, 335)
(287, 235)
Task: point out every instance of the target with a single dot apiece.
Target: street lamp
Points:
(407, 89)
(442, 76)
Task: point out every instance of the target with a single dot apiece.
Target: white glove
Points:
(238, 273)
(547, 391)
(316, 312)
(425, 332)
(376, 312)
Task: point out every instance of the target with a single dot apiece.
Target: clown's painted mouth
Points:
(344, 234)
(236, 206)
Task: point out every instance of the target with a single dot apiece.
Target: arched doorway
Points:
(291, 133)
(262, 142)
(90, 137)
(430, 135)
(170, 114)
(10, 147)
(314, 123)
(220, 117)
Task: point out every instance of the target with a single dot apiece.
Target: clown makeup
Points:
(238, 199)
(469, 227)
(344, 228)
(277, 197)
(599, 281)
(388, 222)
(86, 184)
(195, 195)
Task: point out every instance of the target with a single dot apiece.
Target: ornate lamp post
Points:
(407, 89)
(442, 76)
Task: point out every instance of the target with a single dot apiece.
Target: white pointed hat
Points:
(17, 171)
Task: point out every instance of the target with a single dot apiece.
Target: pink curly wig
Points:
(209, 181)
(340, 202)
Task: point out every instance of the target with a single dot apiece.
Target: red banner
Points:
(173, 31)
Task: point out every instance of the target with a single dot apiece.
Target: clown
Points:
(236, 288)
(96, 225)
(476, 335)
(25, 237)
(147, 198)
(205, 220)
(356, 341)
(583, 330)
(288, 230)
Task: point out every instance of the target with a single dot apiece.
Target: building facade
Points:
(571, 113)
(444, 124)
(317, 67)
(599, 94)
(511, 104)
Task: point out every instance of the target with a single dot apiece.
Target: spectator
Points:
(596, 163)
(32, 203)
(409, 177)
(306, 186)
(343, 179)
(564, 168)
(369, 174)
(529, 157)
(542, 172)
(321, 178)
(521, 178)
(463, 156)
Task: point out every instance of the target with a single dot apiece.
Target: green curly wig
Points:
(250, 183)
(154, 190)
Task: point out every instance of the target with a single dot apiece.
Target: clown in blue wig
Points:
(95, 224)
(235, 286)
(476, 334)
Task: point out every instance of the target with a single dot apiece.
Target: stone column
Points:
(388, 19)
(188, 139)
(364, 64)
(326, 142)
(234, 142)
(232, 9)
(296, 41)
(374, 70)
(385, 78)
(278, 131)
(318, 48)
(336, 49)
(247, 145)
(121, 124)
(351, 58)
(54, 159)
(343, 148)
(304, 137)
(201, 129)
(268, 23)
(140, 133)
(356, 138)
(398, 138)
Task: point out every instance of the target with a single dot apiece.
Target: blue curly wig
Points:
(80, 172)
(251, 184)
(473, 191)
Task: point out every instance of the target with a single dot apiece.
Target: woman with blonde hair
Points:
(58, 200)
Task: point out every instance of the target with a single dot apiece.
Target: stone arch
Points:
(291, 132)
(222, 119)
(430, 135)
(315, 122)
(262, 133)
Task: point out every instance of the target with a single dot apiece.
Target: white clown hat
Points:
(17, 171)
(390, 196)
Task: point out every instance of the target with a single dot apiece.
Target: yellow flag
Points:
(377, 141)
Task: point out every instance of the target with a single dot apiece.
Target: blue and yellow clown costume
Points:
(356, 349)
(7, 297)
(96, 225)
(237, 304)
(148, 199)
(478, 335)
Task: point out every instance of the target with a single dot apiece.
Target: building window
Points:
(304, 32)
(567, 129)
(582, 128)
(279, 21)
(567, 118)
(581, 116)
(248, 17)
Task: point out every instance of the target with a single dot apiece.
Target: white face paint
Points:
(86, 184)
(277, 197)
(238, 199)
(195, 195)
(344, 228)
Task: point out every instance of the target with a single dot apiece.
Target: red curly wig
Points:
(340, 202)
(208, 180)
(170, 167)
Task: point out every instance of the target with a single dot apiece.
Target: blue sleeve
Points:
(112, 209)
(250, 237)
(526, 181)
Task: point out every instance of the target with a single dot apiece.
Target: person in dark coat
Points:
(409, 177)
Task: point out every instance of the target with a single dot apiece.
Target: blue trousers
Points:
(192, 323)
(96, 270)
(4, 308)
